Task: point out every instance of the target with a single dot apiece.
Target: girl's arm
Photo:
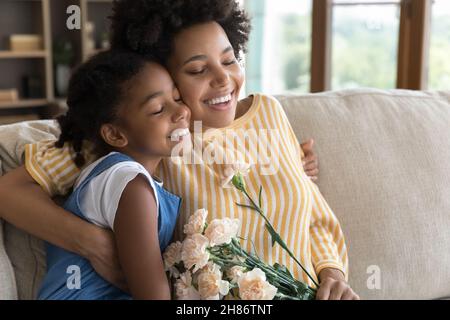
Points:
(25, 205)
(136, 233)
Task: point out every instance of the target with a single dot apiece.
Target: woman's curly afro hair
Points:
(149, 26)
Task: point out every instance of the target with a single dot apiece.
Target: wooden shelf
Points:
(23, 54)
(9, 119)
(25, 103)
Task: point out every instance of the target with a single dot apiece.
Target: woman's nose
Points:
(221, 78)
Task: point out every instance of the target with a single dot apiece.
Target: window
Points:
(439, 75)
(317, 45)
(279, 54)
(365, 44)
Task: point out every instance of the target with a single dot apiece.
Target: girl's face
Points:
(153, 118)
(207, 73)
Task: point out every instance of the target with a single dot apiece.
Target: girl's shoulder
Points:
(113, 167)
(101, 185)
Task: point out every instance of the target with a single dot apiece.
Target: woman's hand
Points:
(310, 161)
(100, 249)
(333, 286)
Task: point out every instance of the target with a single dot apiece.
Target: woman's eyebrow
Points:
(204, 57)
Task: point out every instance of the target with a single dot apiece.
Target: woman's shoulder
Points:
(267, 106)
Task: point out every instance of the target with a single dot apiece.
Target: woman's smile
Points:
(221, 103)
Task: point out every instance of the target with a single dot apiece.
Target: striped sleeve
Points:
(327, 238)
(289, 131)
(52, 168)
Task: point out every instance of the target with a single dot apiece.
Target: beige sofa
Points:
(385, 170)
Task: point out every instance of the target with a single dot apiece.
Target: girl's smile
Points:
(179, 135)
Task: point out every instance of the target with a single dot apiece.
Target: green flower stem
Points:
(251, 262)
(288, 287)
(277, 239)
(289, 283)
(286, 297)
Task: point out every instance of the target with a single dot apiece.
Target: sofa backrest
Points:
(385, 171)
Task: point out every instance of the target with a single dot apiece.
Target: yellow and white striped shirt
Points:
(291, 201)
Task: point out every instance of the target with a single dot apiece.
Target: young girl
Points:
(200, 42)
(127, 111)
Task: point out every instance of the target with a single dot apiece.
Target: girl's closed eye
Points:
(156, 111)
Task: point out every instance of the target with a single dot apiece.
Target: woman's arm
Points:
(136, 233)
(25, 205)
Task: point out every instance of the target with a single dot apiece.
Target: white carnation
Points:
(196, 222)
(210, 283)
(184, 289)
(230, 171)
(194, 253)
(253, 286)
(222, 231)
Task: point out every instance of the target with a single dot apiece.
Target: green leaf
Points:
(273, 235)
(283, 269)
(260, 197)
(246, 206)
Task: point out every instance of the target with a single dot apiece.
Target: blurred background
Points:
(297, 46)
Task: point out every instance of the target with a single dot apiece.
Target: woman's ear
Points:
(113, 136)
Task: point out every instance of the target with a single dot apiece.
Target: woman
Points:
(196, 70)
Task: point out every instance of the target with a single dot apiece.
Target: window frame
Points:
(413, 43)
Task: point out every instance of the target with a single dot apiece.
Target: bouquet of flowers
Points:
(210, 263)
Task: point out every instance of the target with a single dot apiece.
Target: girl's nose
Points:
(180, 113)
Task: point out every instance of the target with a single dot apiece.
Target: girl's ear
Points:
(113, 136)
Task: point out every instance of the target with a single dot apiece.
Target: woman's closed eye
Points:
(229, 63)
(196, 72)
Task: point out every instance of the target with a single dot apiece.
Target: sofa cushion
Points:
(385, 171)
(8, 290)
(25, 252)
(27, 256)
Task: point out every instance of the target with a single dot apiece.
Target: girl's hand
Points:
(310, 161)
(101, 252)
(333, 286)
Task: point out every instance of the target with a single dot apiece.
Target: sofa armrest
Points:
(14, 137)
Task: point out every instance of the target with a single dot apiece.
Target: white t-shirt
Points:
(100, 198)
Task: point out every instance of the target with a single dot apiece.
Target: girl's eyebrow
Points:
(150, 97)
(204, 57)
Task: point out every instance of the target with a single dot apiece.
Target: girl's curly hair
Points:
(145, 26)
(96, 89)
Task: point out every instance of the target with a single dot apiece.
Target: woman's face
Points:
(207, 74)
